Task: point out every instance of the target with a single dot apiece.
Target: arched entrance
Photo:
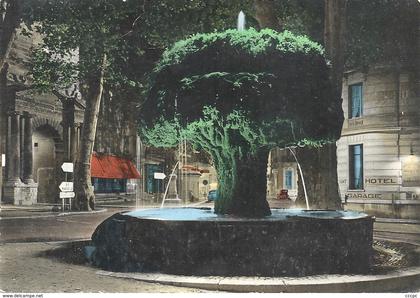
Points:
(46, 156)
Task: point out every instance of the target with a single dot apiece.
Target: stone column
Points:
(68, 132)
(73, 142)
(26, 194)
(76, 139)
(67, 123)
(13, 149)
(13, 186)
(21, 135)
(276, 178)
(27, 149)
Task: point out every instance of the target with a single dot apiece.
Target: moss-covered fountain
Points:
(237, 94)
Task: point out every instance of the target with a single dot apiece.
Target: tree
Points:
(375, 34)
(266, 15)
(9, 20)
(382, 31)
(116, 42)
(82, 43)
(236, 94)
(319, 165)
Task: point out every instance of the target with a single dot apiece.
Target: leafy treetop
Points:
(236, 94)
(279, 81)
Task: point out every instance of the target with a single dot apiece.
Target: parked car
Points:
(283, 195)
(212, 195)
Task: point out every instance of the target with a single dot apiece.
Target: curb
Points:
(398, 220)
(54, 215)
(47, 241)
(395, 280)
(82, 212)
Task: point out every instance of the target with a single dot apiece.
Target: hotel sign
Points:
(382, 180)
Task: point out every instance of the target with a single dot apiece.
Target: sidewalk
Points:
(42, 267)
(47, 210)
(37, 211)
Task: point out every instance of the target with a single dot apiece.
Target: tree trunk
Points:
(334, 39)
(243, 185)
(265, 14)
(9, 21)
(85, 198)
(319, 166)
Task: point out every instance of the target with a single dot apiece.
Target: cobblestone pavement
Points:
(24, 269)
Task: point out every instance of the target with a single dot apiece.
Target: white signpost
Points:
(159, 176)
(67, 167)
(66, 187)
(67, 195)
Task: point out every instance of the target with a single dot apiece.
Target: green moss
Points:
(250, 41)
(237, 80)
(236, 94)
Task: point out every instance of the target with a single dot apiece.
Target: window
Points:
(288, 179)
(104, 185)
(355, 100)
(356, 166)
(153, 185)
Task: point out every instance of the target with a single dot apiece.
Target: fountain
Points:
(241, 21)
(192, 241)
(239, 93)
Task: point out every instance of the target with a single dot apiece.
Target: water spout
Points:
(241, 21)
(301, 176)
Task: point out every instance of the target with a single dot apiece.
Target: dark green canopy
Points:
(236, 94)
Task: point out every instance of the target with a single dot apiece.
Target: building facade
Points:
(38, 132)
(378, 153)
(282, 174)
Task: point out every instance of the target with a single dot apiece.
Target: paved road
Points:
(25, 268)
(51, 227)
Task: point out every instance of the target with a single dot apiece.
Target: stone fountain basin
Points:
(195, 241)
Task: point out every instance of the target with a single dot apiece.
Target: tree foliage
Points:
(236, 94)
(75, 35)
(382, 31)
(378, 31)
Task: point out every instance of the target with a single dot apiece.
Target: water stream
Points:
(241, 21)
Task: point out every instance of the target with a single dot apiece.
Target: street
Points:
(51, 227)
(28, 235)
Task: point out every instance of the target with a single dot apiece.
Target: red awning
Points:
(109, 166)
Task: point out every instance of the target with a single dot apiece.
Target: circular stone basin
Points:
(207, 214)
(196, 241)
